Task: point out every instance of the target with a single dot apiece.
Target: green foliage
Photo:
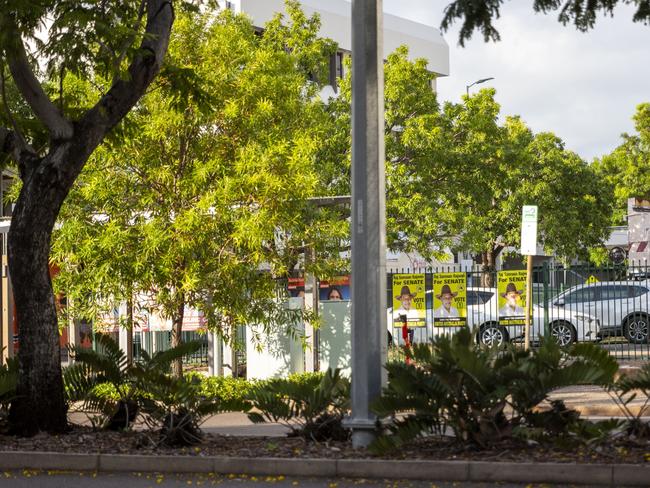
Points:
(113, 393)
(210, 182)
(627, 168)
(457, 177)
(8, 380)
(624, 392)
(312, 406)
(485, 395)
(99, 384)
(175, 407)
(222, 388)
(478, 15)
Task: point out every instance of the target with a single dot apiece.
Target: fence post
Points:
(545, 281)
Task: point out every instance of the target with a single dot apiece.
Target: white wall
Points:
(280, 354)
(423, 41)
(335, 336)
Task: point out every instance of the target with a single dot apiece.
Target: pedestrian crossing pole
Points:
(368, 218)
(528, 248)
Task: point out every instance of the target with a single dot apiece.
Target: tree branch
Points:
(10, 144)
(125, 93)
(33, 93)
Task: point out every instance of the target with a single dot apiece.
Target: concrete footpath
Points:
(593, 401)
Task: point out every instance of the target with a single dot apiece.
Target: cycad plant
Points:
(175, 407)
(312, 408)
(483, 395)
(99, 382)
(109, 389)
(625, 391)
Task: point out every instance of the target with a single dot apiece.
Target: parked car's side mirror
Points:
(559, 302)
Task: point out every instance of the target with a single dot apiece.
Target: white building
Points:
(422, 40)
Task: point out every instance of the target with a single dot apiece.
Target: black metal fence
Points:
(153, 342)
(607, 305)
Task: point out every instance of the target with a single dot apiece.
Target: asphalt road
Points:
(44, 479)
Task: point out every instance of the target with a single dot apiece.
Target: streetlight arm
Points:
(482, 80)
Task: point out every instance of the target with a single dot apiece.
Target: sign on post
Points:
(529, 230)
(528, 248)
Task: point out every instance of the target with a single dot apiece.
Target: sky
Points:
(584, 87)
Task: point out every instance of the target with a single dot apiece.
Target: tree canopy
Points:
(480, 15)
(50, 141)
(205, 199)
(457, 177)
(627, 168)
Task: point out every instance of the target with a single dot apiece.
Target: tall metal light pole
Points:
(368, 217)
(482, 80)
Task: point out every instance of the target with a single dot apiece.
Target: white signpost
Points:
(529, 230)
(528, 248)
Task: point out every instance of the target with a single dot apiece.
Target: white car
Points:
(567, 326)
(622, 307)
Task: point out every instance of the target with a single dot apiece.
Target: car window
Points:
(473, 298)
(614, 292)
(637, 291)
(581, 295)
(486, 296)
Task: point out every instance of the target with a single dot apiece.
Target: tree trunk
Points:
(177, 336)
(488, 269)
(40, 403)
(129, 328)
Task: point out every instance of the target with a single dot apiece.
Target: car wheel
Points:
(492, 335)
(564, 333)
(636, 328)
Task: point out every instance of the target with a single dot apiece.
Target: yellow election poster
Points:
(409, 299)
(449, 299)
(511, 286)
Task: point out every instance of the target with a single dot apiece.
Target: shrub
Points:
(113, 392)
(222, 388)
(458, 384)
(627, 389)
(8, 380)
(100, 380)
(311, 405)
(176, 407)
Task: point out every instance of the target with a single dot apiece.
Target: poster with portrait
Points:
(511, 286)
(449, 299)
(409, 298)
(296, 287)
(338, 288)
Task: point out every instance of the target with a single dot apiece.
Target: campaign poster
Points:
(449, 299)
(511, 286)
(296, 287)
(337, 288)
(409, 298)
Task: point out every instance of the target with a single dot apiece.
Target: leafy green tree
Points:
(205, 200)
(478, 15)
(124, 41)
(627, 168)
(456, 177)
(504, 167)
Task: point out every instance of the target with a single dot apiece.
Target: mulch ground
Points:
(85, 440)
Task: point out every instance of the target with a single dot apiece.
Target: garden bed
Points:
(85, 440)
